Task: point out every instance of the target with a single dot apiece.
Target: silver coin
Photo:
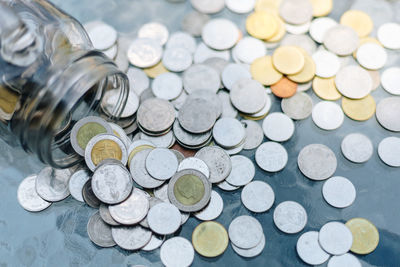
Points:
(182, 40)
(339, 192)
(131, 237)
(248, 96)
(178, 155)
(193, 22)
(136, 143)
(89, 197)
(152, 202)
(144, 52)
(27, 196)
(199, 76)
(227, 187)
(266, 108)
(227, 109)
(317, 162)
(161, 163)
(301, 40)
(218, 162)
(154, 243)
(243, 171)
(335, 238)
(111, 183)
(177, 59)
(290, 217)
(180, 100)
(271, 157)
(193, 163)
(99, 232)
(357, 147)
(388, 35)
(302, 87)
(156, 115)
(216, 63)
(309, 249)
(161, 192)
(146, 94)
(258, 196)
(102, 35)
(298, 28)
(209, 96)
(190, 139)
(345, 260)
(235, 150)
(353, 82)
(389, 151)
(229, 132)
(155, 31)
(390, 80)
(163, 141)
(371, 56)
(233, 73)
(296, 11)
(251, 252)
(245, 232)
(254, 134)
(327, 115)
(327, 64)
(52, 184)
(212, 210)
(106, 216)
(341, 40)
(164, 219)
(139, 172)
(132, 210)
(177, 251)
(111, 100)
(248, 49)
(76, 183)
(278, 127)
(167, 86)
(203, 53)
(208, 6)
(220, 34)
(388, 113)
(297, 107)
(320, 26)
(138, 80)
(240, 7)
(197, 116)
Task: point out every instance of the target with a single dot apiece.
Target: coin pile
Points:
(180, 134)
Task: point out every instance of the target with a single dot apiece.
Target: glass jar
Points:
(50, 77)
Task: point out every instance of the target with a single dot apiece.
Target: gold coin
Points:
(156, 70)
(307, 73)
(263, 71)
(325, 88)
(271, 6)
(105, 149)
(359, 109)
(321, 8)
(261, 25)
(365, 235)
(210, 239)
(87, 132)
(137, 150)
(365, 40)
(8, 100)
(284, 88)
(360, 21)
(279, 33)
(288, 59)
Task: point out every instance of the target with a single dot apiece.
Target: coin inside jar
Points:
(210, 239)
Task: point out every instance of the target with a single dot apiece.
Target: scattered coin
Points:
(154, 243)
(131, 237)
(390, 80)
(188, 139)
(177, 59)
(296, 12)
(52, 184)
(102, 35)
(320, 26)
(271, 157)
(365, 235)
(284, 88)
(228, 132)
(288, 59)
(326, 88)
(76, 183)
(371, 56)
(245, 232)
(155, 31)
(258, 196)
(327, 64)
(278, 127)
(234, 73)
(346, 259)
(357, 147)
(106, 216)
(220, 34)
(218, 162)
(89, 197)
(243, 171)
(335, 238)
(227, 187)
(317, 162)
(177, 251)
(167, 86)
(161, 163)
(360, 21)
(182, 40)
(139, 172)
(249, 49)
(210, 239)
(327, 115)
(389, 151)
(254, 134)
(300, 40)
(99, 232)
(388, 34)
(341, 40)
(164, 219)
(144, 52)
(261, 25)
(388, 113)
(199, 76)
(309, 249)
(339, 192)
(212, 210)
(203, 53)
(290, 217)
(192, 163)
(297, 107)
(27, 196)
(353, 82)
(156, 115)
(359, 109)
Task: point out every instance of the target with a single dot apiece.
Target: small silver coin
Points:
(388, 34)
(182, 40)
(248, 96)
(240, 7)
(156, 115)
(341, 40)
(302, 87)
(327, 115)
(327, 64)
(218, 162)
(320, 26)
(335, 238)
(76, 183)
(155, 31)
(167, 86)
(389, 151)
(164, 219)
(345, 260)
(317, 162)
(297, 107)
(146, 94)
(144, 52)
(227, 109)
(353, 82)
(177, 59)
(254, 134)
(132, 210)
(229, 132)
(233, 73)
(220, 34)
(290, 217)
(162, 141)
(193, 163)
(227, 187)
(251, 252)
(197, 116)
(357, 147)
(388, 113)
(271, 157)
(193, 22)
(177, 251)
(154, 243)
(371, 56)
(258, 196)
(139, 172)
(248, 49)
(89, 197)
(161, 163)
(131, 237)
(102, 35)
(216, 63)
(278, 127)
(203, 53)
(309, 249)
(243, 171)
(138, 80)
(52, 184)
(200, 76)
(99, 232)
(245, 232)
(212, 210)
(208, 6)
(390, 80)
(27, 196)
(106, 216)
(296, 11)
(339, 192)
(190, 139)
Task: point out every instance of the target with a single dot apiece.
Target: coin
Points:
(203, 53)
(156, 115)
(341, 40)
(144, 52)
(300, 40)
(99, 232)
(240, 7)
(155, 31)
(193, 22)
(390, 80)
(321, 7)
(137, 146)
(234, 73)
(154, 243)
(360, 21)
(262, 70)
(339, 192)
(131, 237)
(245, 232)
(248, 96)
(279, 34)
(261, 25)
(89, 197)
(177, 251)
(346, 259)
(357, 147)
(227, 109)
(271, 157)
(388, 113)
(296, 12)
(167, 86)
(217, 161)
(309, 249)
(302, 87)
(189, 139)
(182, 40)
(371, 56)
(192, 163)
(210, 239)
(76, 183)
(132, 210)
(102, 35)
(243, 171)
(308, 71)
(297, 107)
(252, 252)
(106, 216)
(298, 28)
(335, 238)
(162, 141)
(112, 183)
(320, 26)
(177, 59)
(210, 97)
(258, 196)
(288, 59)
(389, 151)
(359, 109)
(326, 88)
(197, 116)
(228, 132)
(27, 196)
(155, 70)
(284, 88)
(52, 184)
(199, 76)
(226, 186)
(327, 64)
(254, 134)
(317, 162)
(212, 210)
(327, 115)
(164, 219)
(249, 49)
(388, 34)
(278, 127)
(208, 6)
(365, 235)
(152, 202)
(220, 34)
(290, 217)
(161, 163)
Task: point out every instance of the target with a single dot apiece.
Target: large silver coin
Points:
(327, 64)
(144, 52)
(233, 73)
(357, 147)
(203, 53)
(167, 86)
(339, 192)
(243, 171)
(290, 217)
(388, 34)
(182, 40)
(248, 96)
(177, 251)
(99, 232)
(327, 115)
(229, 132)
(271, 157)
(212, 210)
(258, 196)
(297, 107)
(251, 252)
(320, 26)
(131, 237)
(192, 163)
(227, 109)
(372, 56)
(197, 116)
(254, 134)
(27, 196)
(156, 115)
(278, 127)
(218, 162)
(389, 151)
(177, 59)
(341, 40)
(162, 141)
(164, 219)
(106, 216)
(353, 82)
(248, 49)
(161, 163)
(76, 183)
(52, 184)
(390, 80)
(152, 202)
(388, 113)
(317, 162)
(240, 7)
(132, 210)
(194, 22)
(309, 250)
(208, 6)
(139, 172)
(220, 34)
(200, 76)
(335, 238)
(155, 31)
(190, 139)
(138, 80)
(227, 187)
(245, 232)
(345, 260)
(209, 96)
(296, 11)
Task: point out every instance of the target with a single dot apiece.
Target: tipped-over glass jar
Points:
(50, 77)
